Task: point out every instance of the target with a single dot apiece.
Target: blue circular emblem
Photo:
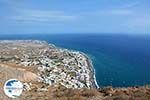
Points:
(13, 88)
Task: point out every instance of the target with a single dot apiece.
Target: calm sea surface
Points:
(119, 60)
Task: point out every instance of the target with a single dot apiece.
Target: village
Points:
(55, 66)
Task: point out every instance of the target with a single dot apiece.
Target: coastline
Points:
(90, 65)
(90, 81)
(93, 73)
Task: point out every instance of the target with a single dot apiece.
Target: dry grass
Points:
(107, 93)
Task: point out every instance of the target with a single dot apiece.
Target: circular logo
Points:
(13, 88)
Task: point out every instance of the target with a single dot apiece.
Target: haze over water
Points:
(119, 60)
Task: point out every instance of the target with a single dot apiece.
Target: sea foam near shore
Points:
(90, 64)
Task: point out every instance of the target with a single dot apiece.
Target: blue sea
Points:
(119, 60)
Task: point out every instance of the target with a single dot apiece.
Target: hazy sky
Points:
(75, 16)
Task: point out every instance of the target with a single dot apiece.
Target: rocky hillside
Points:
(105, 93)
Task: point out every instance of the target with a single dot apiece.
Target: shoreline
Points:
(90, 65)
(93, 73)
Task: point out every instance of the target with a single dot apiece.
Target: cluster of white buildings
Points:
(57, 66)
(71, 71)
(64, 67)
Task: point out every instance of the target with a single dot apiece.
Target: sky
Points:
(75, 16)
